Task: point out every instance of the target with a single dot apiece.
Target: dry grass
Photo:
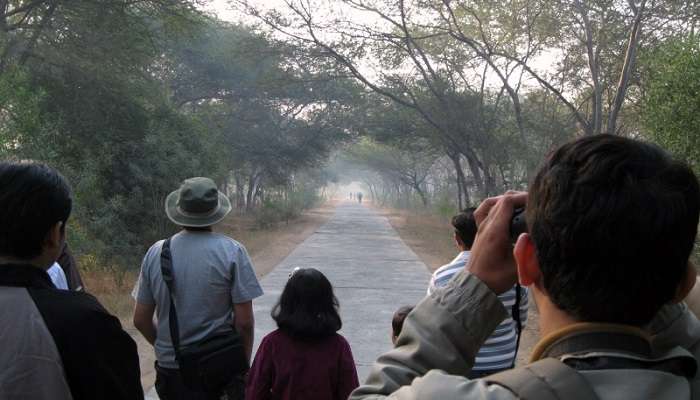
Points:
(428, 235)
(111, 287)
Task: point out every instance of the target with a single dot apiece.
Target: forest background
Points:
(431, 104)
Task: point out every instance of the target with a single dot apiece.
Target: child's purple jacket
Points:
(289, 369)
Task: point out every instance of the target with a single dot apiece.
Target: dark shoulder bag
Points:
(212, 363)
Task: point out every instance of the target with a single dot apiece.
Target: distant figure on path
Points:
(397, 322)
(359, 197)
(56, 344)
(214, 285)
(305, 358)
(350, 195)
(499, 351)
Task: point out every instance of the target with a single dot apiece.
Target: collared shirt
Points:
(499, 350)
(60, 345)
(58, 277)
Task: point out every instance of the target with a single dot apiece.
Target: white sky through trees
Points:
(227, 12)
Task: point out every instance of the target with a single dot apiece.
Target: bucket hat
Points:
(198, 203)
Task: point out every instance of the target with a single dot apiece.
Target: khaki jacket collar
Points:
(631, 338)
(594, 340)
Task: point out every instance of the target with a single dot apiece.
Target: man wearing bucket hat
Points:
(213, 284)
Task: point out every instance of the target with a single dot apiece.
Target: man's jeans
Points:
(170, 386)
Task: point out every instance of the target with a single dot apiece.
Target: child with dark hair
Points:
(397, 322)
(305, 358)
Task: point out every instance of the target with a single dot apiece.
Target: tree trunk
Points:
(421, 194)
(252, 191)
(594, 67)
(240, 189)
(475, 168)
(460, 203)
(462, 187)
(259, 193)
(627, 67)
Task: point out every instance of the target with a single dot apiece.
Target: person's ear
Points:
(457, 239)
(686, 284)
(54, 238)
(526, 260)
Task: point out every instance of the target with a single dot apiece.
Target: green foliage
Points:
(671, 106)
(445, 208)
(127, 99)
(286, 206)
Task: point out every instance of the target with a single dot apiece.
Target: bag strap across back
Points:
(515, 313)
(546, 379)
(166, 269)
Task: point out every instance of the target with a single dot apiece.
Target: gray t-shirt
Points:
(212, 272)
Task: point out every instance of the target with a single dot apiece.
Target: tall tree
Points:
(670, 108)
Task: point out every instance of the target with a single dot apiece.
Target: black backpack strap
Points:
(546, 379)
(166, 269)
(515, 312)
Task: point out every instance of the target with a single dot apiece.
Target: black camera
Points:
(517, 224)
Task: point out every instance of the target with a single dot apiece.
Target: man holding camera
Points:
(612, 222)
(501, 348)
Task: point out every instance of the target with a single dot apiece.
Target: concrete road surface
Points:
(372, 270)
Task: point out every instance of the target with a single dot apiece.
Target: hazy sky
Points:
(224, 11)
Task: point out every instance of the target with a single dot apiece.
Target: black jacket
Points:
(61, 344)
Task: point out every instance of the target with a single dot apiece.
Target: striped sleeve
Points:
(443, 275)
(498, 351)
(524, 305)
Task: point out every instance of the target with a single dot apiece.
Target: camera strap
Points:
(166, 269)
(515, 312)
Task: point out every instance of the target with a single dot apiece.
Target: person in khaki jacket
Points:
(612, 223)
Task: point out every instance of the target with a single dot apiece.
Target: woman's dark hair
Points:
(613, 221)
(307, 308)
(33, 198)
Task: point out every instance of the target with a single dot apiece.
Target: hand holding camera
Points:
(499, 225)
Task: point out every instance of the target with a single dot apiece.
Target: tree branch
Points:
(628, 65)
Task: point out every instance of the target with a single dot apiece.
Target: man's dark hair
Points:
(33, 198)
(465, 226)
(307, 309)
(398, 318)
(613, 221)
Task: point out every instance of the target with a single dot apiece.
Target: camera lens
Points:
(517, 224)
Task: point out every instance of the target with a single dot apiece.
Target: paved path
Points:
(372, 270)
